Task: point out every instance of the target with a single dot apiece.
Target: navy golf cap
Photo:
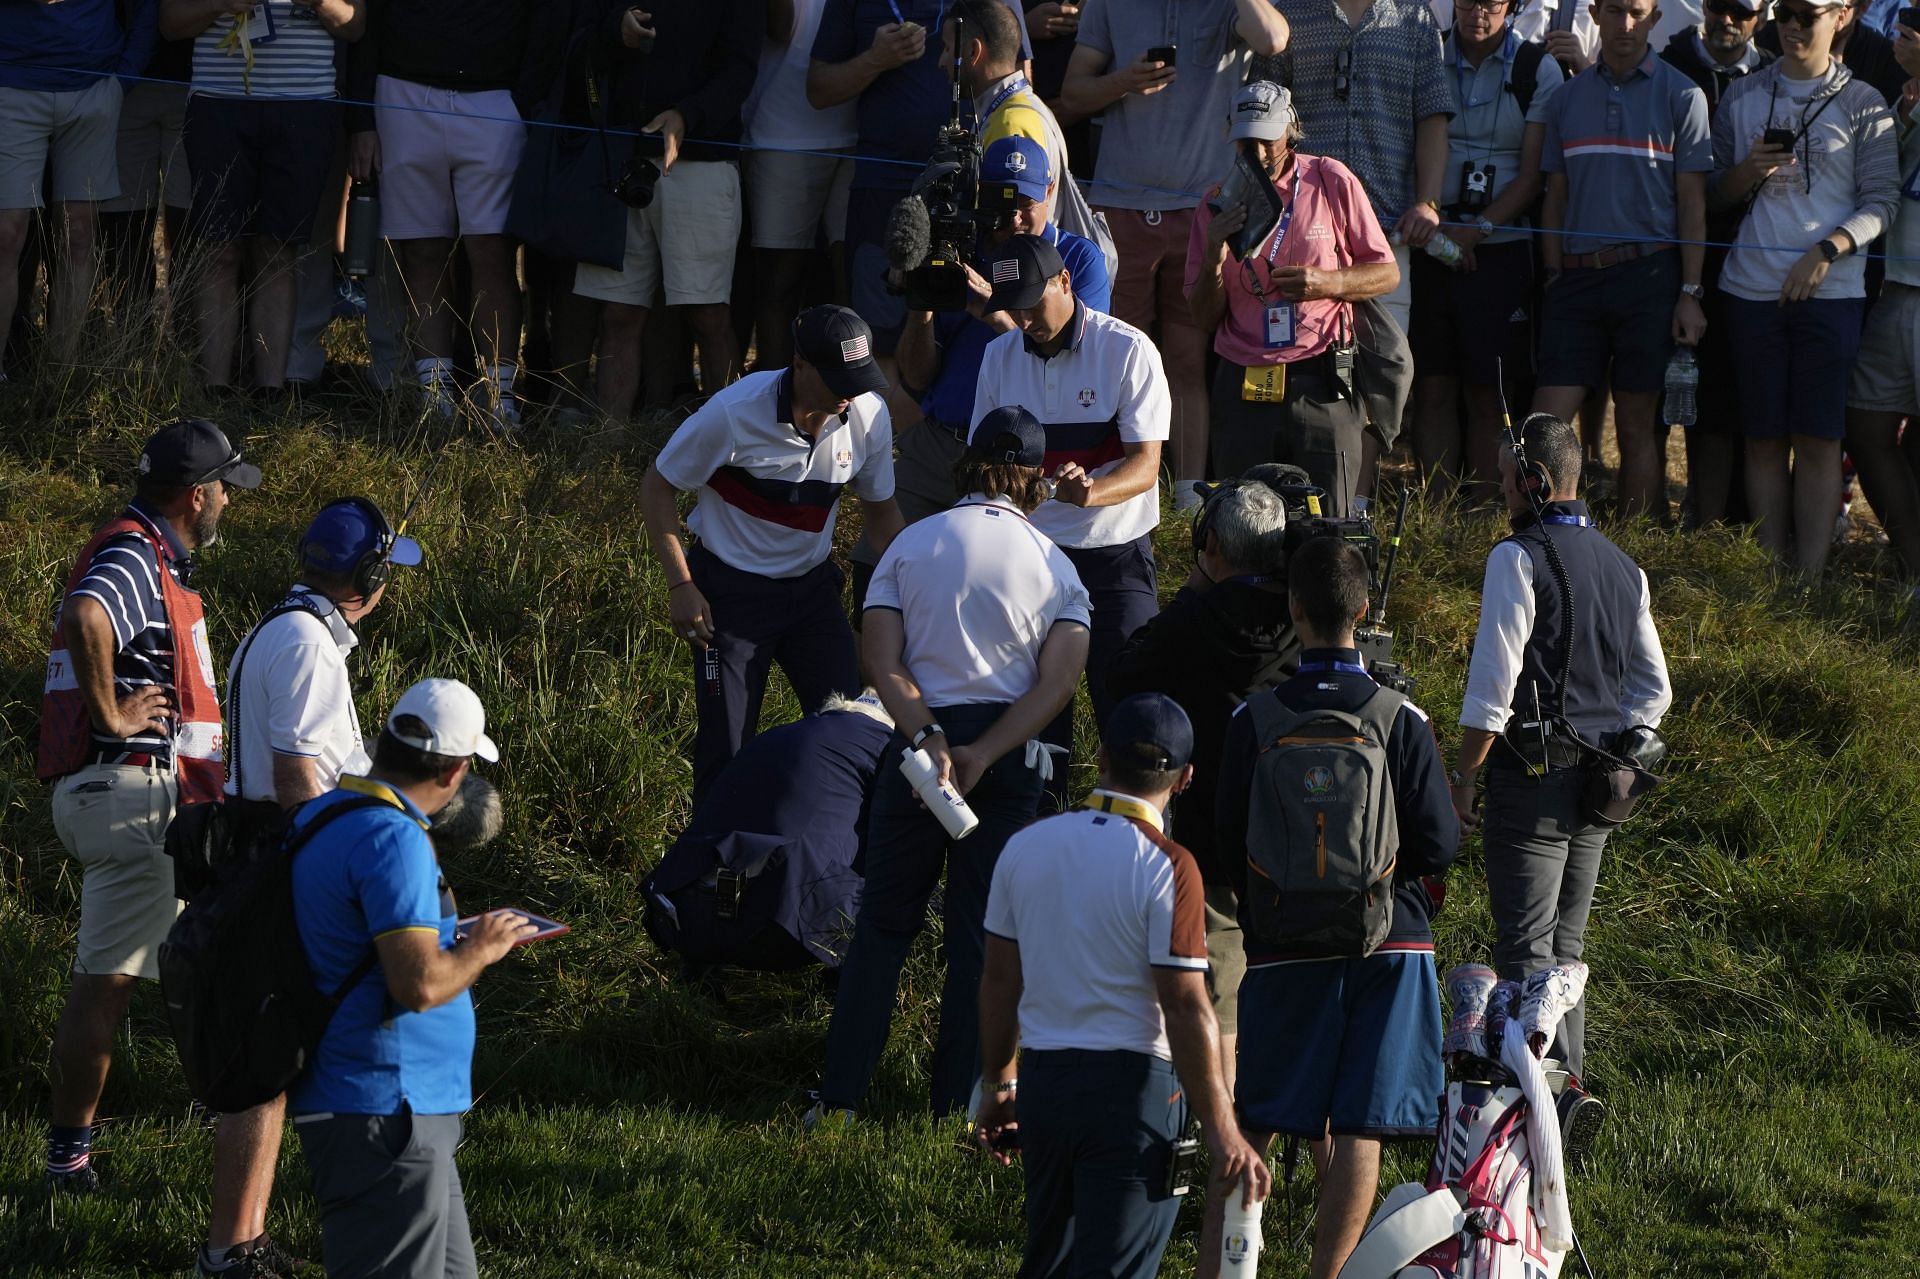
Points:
(1020, 270)
(349, 529)
(195, 451)
(1150, 732)
(1009, 434)
(839, 344)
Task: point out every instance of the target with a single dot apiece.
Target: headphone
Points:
(1286, 482)
(371, 570)
(1529, 476)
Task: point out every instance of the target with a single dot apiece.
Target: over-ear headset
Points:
(1290, 483)
(371, 569)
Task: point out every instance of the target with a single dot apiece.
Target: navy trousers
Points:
(1125, 586)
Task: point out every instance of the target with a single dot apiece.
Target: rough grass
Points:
(1755, 1001)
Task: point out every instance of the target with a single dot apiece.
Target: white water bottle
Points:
(941, 799)
(1240, 1235)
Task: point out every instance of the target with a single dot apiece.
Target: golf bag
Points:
(1494, 1202)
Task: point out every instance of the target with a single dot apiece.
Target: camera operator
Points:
(1566, 641)
(1284, 390)
(1227, 635)
(682, 83)
(1097, 385)
(940, 351)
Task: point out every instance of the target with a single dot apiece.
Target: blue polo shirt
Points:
(367, 875)
(902, 110)
(963, 339)
(54, 48)
(1620, 142)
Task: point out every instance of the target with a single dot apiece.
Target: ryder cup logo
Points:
(1016, 163)
(1086, 397)
(1319, 781)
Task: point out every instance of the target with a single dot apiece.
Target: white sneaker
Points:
(1548, 996)
(1469, 989)
(818, 1114)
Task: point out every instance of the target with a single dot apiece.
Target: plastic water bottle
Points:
(1440, 248)
(363, 229)
(1683, 381)
(941, 799)
(1240, 1236)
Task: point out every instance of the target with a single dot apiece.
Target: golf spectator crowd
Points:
(1024, 276)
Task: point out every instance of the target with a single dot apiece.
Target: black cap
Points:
(1148, 731)
(839, 344)
(1020, 270)
(1009, 434)
(195, 451)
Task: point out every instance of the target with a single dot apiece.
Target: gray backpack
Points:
(1322, 833)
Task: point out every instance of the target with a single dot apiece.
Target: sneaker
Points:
(1545, 998)
(83, 1180)
(819, 1114)
(268, 1252)
(1581, 1116)
(1469, 989)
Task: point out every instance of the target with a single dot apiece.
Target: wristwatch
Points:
(1484, 226)
(921, 736)
(1697, 292)
(1457, 779)
(1829, 250)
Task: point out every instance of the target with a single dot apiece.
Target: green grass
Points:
(1755, 998)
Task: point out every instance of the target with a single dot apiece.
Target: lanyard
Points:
(1567, 521)
(1253, 579)
(1464, 74)
(1279, 238)
(1327, 668)
(1016, 85)
(897, 15)
(1123, 806)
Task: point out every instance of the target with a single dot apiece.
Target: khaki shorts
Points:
(153, 163)
(683, 242)
(75, 130)
(113, 818)
(790, 195)
(1226, 955)
(1886, 375)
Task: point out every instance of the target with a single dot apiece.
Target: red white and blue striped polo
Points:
(767, 493)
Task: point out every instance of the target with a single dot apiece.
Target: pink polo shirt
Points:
(1334, 227)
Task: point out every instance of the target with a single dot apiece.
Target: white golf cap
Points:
(456, 722)
(1262, 110)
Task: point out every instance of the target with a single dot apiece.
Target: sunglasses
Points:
(1730, 9)
(1343, 72)
(1784, 14)
(1492, 5)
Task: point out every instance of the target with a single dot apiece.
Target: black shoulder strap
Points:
(300, 603)
(1526, 73)
(299, 839)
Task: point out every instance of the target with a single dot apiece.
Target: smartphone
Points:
(1783, 138)
(1909, 18)
(1162, 53)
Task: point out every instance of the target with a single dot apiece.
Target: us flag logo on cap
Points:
(853, 350)
(1006, 270)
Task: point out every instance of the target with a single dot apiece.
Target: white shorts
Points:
(113, 818)
(74, 130)
(1886, 376)
(682, 243)
(447, 159)
(153, 164)
(791, 194)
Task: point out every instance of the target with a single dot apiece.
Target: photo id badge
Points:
(1279, 325)
(260, 23)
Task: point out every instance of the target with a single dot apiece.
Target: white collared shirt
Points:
(1104, 389)
(288, 694)
(977, 587)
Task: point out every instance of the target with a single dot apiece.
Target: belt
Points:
(1612, 255)
(957, 432)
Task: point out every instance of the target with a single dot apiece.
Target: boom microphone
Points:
(909, 234)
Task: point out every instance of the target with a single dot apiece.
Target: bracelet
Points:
(1004, 1086)
(927, 732)
(677, 585)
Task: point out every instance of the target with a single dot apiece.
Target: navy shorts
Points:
(1796, 362)
(1475, 325)
(258, 166)
(1347, 1046)
(1619, 316)
(885, 313)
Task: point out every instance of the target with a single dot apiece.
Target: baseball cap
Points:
(456, 722)
(1148, 731)
(195, 451)
(1020, 163)
(346, 531)
(1019, 271)
(1009, 434)
(840, 345)
(1262, 110)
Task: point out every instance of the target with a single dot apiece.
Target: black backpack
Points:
(1525, 78)
(241, 998)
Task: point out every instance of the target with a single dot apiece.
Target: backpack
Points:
(1474, 1218)
(1525, 76)
(1322, 833)
(241, 1000)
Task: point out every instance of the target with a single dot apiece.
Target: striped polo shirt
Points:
(1620, 141)
(1096, 900)
(123, 578)
(768, 493)
(292, 55)
(1102, 390)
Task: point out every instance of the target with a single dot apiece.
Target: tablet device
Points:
(547, 927)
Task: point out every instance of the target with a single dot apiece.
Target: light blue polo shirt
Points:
(1620, 143)
(1488, 127)
(368, 874)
